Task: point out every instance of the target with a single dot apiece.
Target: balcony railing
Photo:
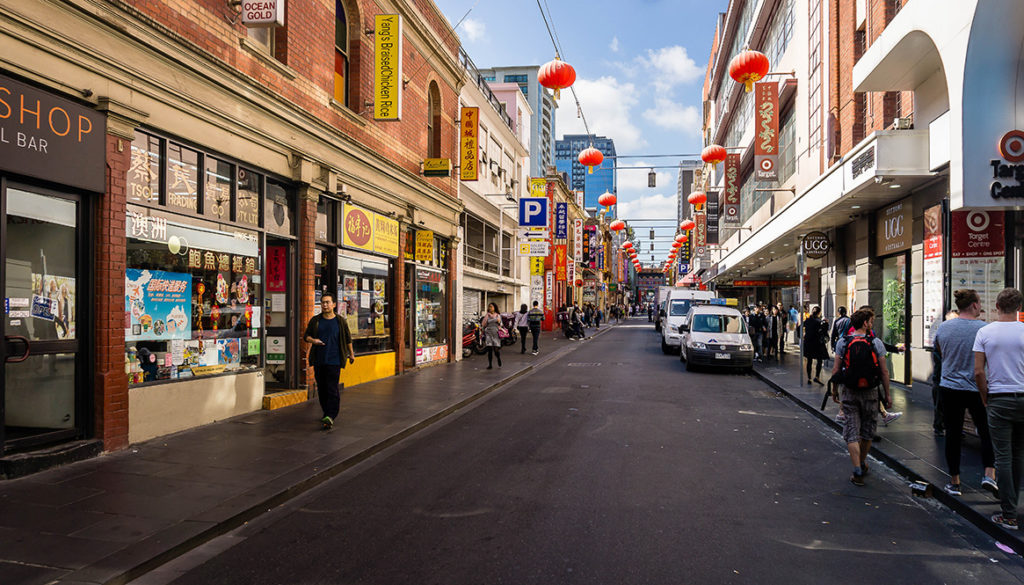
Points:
(470, 68)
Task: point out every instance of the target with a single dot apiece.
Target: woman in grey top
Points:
(490, 325)
(954, 343)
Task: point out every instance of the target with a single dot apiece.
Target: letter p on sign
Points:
(533, 212)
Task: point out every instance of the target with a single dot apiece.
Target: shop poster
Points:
(933, 273)
(53, 300)
(277, 268)
(158, 305)
(978, 254)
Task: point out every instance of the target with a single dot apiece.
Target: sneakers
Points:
(841, 417)
(858, 477)
(327, 422)
(890, 417)
(990, 485)
(535, 352)
(952, 489)
(1007, 523)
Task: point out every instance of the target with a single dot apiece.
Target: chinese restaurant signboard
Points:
(469, 143)
(766, 131)
(387, 67)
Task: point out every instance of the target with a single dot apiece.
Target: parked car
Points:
(677, 307)
(716, 335)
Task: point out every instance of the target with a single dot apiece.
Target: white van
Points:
(677, 306)
(716, 336)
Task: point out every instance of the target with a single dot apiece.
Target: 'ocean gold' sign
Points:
(387, 67)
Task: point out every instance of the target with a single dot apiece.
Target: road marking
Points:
(752, 413)
(583, 364)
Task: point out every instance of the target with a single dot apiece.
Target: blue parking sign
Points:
(533, 212)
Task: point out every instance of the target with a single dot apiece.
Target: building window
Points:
(341, 54)
(363, 285)
(263, 38)
(787, 146)
(434, 121)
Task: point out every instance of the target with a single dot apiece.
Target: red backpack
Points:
(859, 369)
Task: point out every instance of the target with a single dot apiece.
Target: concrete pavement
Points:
(115, 517)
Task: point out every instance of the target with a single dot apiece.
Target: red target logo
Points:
(1011, 146)
(767, 165)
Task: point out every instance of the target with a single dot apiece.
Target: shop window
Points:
(434, 121)
(341, 53)
(431, 315)
(217, 189)
(278, 210)
(363, 285)
(143, 183)
(182, 178)
(247, 198)
(192, 299)
(326, 218)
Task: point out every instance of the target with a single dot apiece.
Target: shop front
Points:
(894, 232)
(52, 156)
(356, 259)
(209, 257)
(427, 299)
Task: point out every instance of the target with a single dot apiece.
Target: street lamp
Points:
(652, 179)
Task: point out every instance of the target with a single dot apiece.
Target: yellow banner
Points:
(469, 143)
(387, 67)
(537, 266)
(385, 235)
(538, 188)
(424, 245)
(358, 228)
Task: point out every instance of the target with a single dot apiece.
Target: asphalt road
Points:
(610, 466)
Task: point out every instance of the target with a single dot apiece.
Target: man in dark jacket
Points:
(758, 326)
(331, 348)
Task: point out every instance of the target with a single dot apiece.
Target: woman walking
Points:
(490, 325)
(523, 325)
(815, 344)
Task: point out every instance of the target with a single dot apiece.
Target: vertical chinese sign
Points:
(766, 131)
(561, 220)
(731, 196)
(712, 212)
(387, 67)
(700, 238)
(424, 245)
(561, 268)
(468, 143)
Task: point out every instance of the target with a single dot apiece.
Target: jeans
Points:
(1006, 424)
(522, 336)
(535, 332)
(954, 403)
(328, 389)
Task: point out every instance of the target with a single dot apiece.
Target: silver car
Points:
(716, 336)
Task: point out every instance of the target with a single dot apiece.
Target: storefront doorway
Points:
(44, 366)
(893, 314)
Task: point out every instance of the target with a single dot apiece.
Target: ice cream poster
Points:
(158, 305)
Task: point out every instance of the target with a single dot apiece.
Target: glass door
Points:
(282, 342)
(41, 278)
(893, 328)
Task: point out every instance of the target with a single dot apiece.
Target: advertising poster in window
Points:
(932, 272)
(158, 305)
(424, 245)
(53, 300)
(978, 250)
(277, 268)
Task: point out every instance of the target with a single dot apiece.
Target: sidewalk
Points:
(113, 518)
(908, 445)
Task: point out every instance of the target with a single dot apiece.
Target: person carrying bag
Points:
(331, 347)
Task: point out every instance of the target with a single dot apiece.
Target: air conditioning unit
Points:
(903, 123)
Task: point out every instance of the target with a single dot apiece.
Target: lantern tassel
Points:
(749, 85)
(558, 94)
(590, 170)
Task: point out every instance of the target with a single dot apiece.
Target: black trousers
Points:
(522, 336)
(954, 403)
(535, 332)
(817, 372)
(328, 389)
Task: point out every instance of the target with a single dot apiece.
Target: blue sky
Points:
(639, 73)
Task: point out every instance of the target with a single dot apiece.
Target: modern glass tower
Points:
(542, 134)
(568, 148)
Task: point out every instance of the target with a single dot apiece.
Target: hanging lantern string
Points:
(558, 54)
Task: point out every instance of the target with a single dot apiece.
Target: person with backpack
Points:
(860, 368)
(814, 340)
(999, 374)
(534, 318)
(954, 344)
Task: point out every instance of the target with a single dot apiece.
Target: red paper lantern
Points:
(556, 75)
(680, 238)
(676, 245)
(607, 199)
(713, 154)
(749, 67)
(627, 245)
(579, 282)
(590, 157)
(617, 225)
(687, 225)
(697, 198)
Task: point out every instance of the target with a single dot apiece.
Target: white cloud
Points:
(614, 46)
(474, 29)
(671, 66)
(607, 103)
(654, 206)
(674, 116)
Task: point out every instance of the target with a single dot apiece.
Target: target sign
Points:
(1011, 146)
(978, 221)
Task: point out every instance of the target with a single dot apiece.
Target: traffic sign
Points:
(533, 248)
(533, 212)
(530, 234)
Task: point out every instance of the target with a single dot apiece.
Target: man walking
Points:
(784, 319)
(535, 317)
(954, 344)
(999, 373)
(331, 348)
(839, 328)
(758, 326)
(860, 367)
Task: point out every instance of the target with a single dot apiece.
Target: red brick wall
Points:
(110, 383)
(307, 278)
(205, 25)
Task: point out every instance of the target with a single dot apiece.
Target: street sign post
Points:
(533, 212)
(533, 248)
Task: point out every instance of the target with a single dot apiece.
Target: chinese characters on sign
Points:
(731, 196)
(766, 139)
(561, 220)
(700, 238)
(387, 67)
(561, 271)
(468, 141)
(424, 245)
(358, 229)
(577, 234)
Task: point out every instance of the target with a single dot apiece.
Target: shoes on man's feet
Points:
(841, 417)
(1007, 523)
(939, 432)
(858, 477)
(891, 416)
(535, 352)
(327, 422)
(819, 382)
(990, 485)
(952, 489)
